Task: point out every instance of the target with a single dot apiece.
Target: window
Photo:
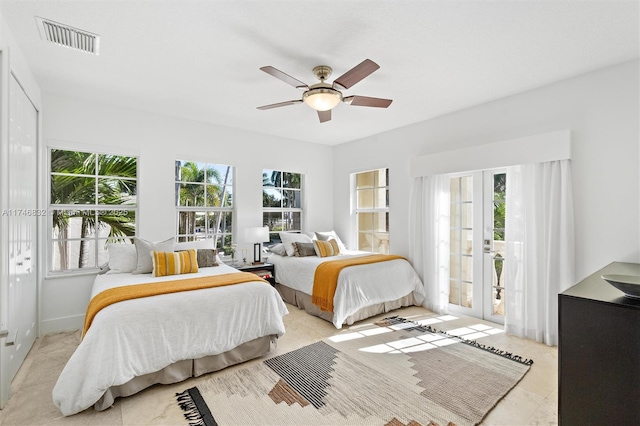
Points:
(281, 202)
(204, 202)
(372, 210)
(92, 201)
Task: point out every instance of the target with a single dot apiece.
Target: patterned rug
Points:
(395, 373)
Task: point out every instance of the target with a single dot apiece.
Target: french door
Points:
(476, 242)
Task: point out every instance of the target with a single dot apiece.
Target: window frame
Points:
(355, 210)
(95, 206)
(218, 237)
(274, 236)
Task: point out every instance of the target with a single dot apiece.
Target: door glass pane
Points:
(454, 292)
(461, 242)
(454, 241)
(467, 295)
(499, 214)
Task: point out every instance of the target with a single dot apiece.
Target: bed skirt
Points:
(183, 370)
(303, 301)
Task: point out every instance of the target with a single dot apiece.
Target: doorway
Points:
(477, 245)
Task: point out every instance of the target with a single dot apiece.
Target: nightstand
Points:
(265, 271)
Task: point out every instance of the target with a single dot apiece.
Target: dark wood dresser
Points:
(599, 352)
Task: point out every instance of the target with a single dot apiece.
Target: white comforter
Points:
(358, 286)
(141, 336)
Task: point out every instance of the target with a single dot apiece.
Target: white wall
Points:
(159, 141)
(602, 111)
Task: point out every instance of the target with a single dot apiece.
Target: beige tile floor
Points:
(532, 402)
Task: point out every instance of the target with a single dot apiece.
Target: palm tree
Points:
(76, 185)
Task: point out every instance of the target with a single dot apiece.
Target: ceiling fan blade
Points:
(280, 104)
(355, 74)
(324, 116)
(366, 101)
(285, 77)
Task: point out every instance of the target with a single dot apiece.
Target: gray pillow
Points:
(144, 264)
(278, 249)
(303, 249)
(206, 258)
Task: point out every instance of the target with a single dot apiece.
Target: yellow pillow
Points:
(174, 263)
(326, 248)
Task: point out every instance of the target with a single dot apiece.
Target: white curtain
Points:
(539, 258)
(429, 238)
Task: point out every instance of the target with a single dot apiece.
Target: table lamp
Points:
(257, 235)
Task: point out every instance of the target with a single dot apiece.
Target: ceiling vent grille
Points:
(64, 35)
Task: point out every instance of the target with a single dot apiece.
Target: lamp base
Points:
(256, 254)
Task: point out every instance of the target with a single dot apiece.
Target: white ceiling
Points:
(200, 59)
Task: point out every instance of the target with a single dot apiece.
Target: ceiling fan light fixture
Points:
(322, 99)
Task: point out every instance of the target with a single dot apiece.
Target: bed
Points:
(362, 291)
(167, 338)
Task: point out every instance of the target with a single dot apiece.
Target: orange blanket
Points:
(325, 280)
(119, 294)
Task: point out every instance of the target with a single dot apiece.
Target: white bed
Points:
(362, 291)
(167, 338)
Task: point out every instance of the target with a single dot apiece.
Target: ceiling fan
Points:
(323, 97)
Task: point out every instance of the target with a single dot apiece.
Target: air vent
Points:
(64, 35)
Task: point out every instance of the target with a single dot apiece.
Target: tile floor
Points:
(532, 402)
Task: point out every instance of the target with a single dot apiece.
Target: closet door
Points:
(21, 287)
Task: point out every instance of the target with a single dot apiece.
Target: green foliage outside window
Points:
(91, 196)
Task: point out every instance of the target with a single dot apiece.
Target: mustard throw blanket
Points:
(325, 279)
(119, 294)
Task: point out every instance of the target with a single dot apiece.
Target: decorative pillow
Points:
(278, 249)
(326, 248)
(288, 238)
(303, 249)
(122, 258)
(326, 236)
(144, 263)
(174, 262)
(207, 258)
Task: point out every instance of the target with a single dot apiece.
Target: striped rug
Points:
(394, 373)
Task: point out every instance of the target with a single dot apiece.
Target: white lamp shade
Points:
(257, 234)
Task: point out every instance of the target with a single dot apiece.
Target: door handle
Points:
(10, 336)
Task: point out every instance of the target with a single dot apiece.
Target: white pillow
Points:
(326, 236)
(122, 258)
(144, 263)
(289, 238)
(278, 249)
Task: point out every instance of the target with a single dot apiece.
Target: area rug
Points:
(394, 373)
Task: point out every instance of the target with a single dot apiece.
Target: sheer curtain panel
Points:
(539, 259)
(429, 238)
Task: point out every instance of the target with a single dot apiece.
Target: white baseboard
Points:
(57, 325)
